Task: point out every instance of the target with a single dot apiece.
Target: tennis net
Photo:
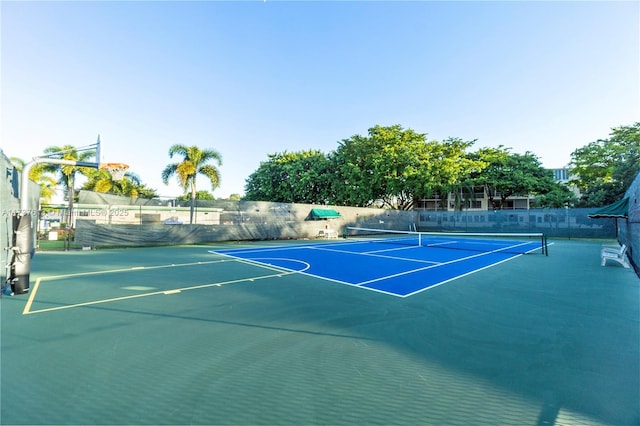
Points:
(519, 243)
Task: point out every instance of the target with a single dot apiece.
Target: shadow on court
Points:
(536, 340)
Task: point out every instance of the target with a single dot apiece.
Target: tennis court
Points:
(395, 263)
(181, 335)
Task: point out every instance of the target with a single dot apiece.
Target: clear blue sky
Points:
(253, 78)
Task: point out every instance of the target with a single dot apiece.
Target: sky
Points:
(254, 78)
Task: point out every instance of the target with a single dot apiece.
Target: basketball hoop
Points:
(117, 170)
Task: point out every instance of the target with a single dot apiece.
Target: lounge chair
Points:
(327, 233)
(615, 254)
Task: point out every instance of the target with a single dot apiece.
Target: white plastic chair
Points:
(327, 233)
(615, 254)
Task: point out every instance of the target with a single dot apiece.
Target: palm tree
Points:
(38, 175)
(67, 173)
(194, 162)
(129, 186)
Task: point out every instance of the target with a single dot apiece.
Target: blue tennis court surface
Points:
(395, 269)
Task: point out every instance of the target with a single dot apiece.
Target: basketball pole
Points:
(23, 246)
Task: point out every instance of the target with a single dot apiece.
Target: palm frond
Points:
(211, 154)
(133, 177)
(212, 174)
(169, 171)
(178, 149)
(194, 162)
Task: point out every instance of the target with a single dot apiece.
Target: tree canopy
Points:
(67, 173)
(291, 177)
(129, 186)
(396, 167)
(200, 195)
(391, 167)
(97, 180)
(508, 174)
(604, 169)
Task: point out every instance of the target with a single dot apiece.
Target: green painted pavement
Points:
(176, 335)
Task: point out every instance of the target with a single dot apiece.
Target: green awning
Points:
(618, 210)
(319, 214)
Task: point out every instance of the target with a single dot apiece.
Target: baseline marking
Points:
(460, 276)
(27, 309)
(32, 293)
(442, 264)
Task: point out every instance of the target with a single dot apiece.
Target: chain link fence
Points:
(109, 220)
(560, 223)
(106, 220)
(629, 229)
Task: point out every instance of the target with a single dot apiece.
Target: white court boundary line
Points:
(375, 254)
(32, 295)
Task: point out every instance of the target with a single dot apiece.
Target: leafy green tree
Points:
(600, 194)
(353, 166)
(200, 195)
(390, 167)
(604, 169)
(398, 167)
(194, 162)
(291, 177)
(455, 169)
(37, 174)
(142, 191)
(558, 197)
(508, 174)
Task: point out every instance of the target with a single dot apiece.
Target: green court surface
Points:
(178, 335)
